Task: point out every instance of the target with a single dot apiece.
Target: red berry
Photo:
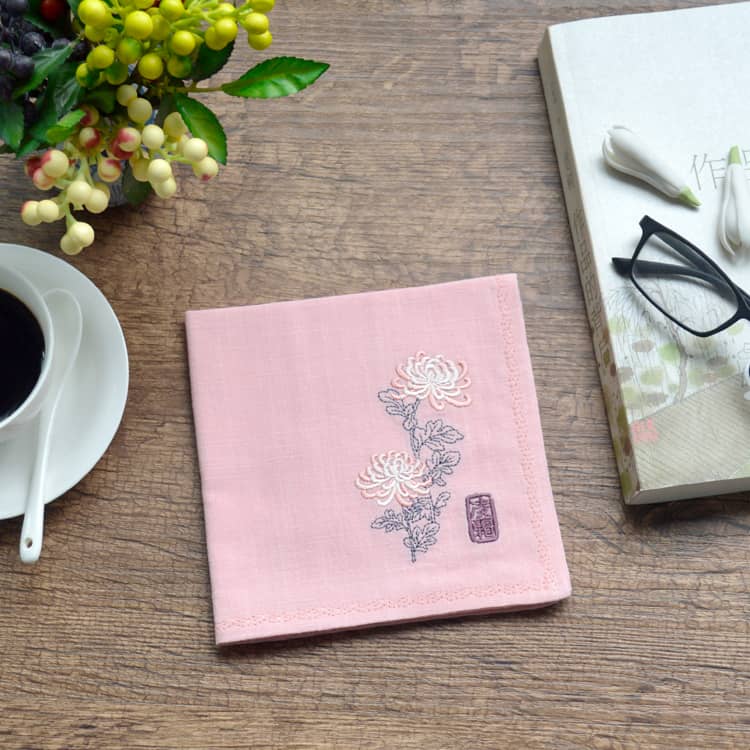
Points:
(32, 164)
(116, 151)
(53, 10)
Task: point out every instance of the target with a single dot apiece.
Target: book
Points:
(371, 458)
(679, 421)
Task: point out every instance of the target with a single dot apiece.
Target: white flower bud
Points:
(628, 153)
(734, 218)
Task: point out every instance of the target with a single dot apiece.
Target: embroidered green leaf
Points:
(279, 76)
(202, 123)
(44, 63)
(11, 124)
(65, 126)
(209, 61)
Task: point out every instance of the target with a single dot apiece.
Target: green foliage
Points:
(202, 123)
(45, 63)
(65, 126)
(11, 124)
(135, 192)
(278, 76)
(102, 97)
(210, 62)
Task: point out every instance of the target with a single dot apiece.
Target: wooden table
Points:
(423, 155)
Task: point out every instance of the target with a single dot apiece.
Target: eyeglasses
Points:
(682, 282)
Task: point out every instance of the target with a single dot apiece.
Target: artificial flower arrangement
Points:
(97, 92)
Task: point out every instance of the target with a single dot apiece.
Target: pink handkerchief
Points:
(371, 458)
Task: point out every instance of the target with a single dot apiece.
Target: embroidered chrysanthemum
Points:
(393, 476)
(435, 378)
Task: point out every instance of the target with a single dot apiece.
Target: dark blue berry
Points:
(6, 58)
(23, 67)
(16, 7)
(32, 42)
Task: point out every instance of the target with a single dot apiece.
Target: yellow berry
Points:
(174, 127)
(225, 30)
(126, 94)
(69, 246)
(152, 136)
(30, 213)
(206, 169)
(108, 169)
(140, 169)
(171, 9)
(260, 41)
(140, 110)
(158, 171)
(129, 50)
(138, 24)
(100, 57)
(93, 34)
(179, 67)
(48, 211)
(54, 163)
(195, 149)
(117, 73)
(81, 232)
(162, 28)
(83, 75)
(182, 42)
(255, 23)
(212, 40)
(151, 66)
(144, 4)
(97, 201)
(78, 192)
(94, 13)
(264, 6)
(166, 189)
(225, 9)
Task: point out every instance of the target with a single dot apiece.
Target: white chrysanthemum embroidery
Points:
(734, 219)
(629, 153)
(435, 378)
(393, 476)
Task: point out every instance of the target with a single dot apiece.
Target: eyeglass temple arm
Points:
(623, 266)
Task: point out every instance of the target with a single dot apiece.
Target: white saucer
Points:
(94, 395)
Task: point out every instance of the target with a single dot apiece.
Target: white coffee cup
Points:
(21, 288)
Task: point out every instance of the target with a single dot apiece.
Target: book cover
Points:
(676, 407)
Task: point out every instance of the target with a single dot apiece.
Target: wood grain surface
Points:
(424, 155)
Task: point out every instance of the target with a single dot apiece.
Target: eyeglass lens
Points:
(683, 284)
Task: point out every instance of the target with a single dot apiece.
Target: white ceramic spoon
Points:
(68, 325)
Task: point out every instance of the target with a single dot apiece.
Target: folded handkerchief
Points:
(371, 458)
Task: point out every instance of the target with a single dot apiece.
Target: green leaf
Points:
(102, 98)
(166, 106)
(28, 145)
(45, 62)
(74, 5)
(135, 192)
(202, 123)
(210, 61)
(65, 89)
(11, 124)
(65, 126)
(279, 76)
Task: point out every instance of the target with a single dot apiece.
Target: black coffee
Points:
(21, 352)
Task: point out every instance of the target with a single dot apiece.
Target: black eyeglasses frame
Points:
(710, 273)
